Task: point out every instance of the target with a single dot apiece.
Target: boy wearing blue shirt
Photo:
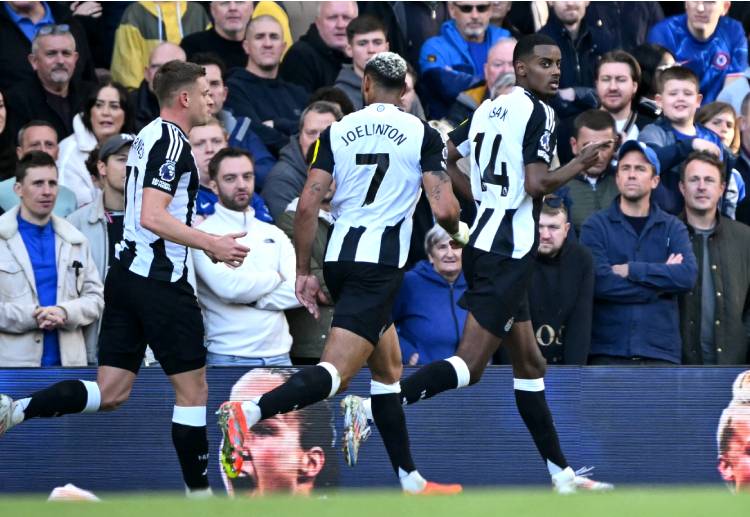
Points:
(675, 135)
(711, 45)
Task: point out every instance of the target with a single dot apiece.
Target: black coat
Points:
(15, 48)
(28, 101)
(312, 64)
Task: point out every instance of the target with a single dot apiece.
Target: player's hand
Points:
(308, 291)
(461, 237)
(704, 145)
(674, 259)
(226, 249)
(589, 153)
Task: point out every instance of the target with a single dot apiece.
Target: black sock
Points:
(533, 408)
(191, 444)
(428, 381)
(63, 398)
(389, 418)
(307, 386)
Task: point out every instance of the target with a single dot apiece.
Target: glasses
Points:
(466, 9)
(54, 30)
(553, 201)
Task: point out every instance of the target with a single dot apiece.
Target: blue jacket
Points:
(638, 316)
(447, 68)
(427, 317)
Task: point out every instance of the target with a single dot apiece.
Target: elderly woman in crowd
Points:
(105, 113)
(428, 319)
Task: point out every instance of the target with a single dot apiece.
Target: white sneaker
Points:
(356, 428)
(564, 482)
(583, 481)
(6, 413)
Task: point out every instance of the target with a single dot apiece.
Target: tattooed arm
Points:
(306, 218)
(444, 205)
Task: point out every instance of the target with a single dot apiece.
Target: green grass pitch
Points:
(630, 502)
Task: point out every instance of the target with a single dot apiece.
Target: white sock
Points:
(462, 370)
(19, 406)
(367, 405)
(194, 416)
(199, 493)
(94, 399)
(411, 482)
(252, 412)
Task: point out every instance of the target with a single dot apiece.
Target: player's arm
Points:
(458, 146)
(437, 187)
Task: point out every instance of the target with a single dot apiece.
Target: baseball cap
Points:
(113, 144)
(635, 145)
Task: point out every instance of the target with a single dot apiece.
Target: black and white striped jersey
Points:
(377, 156)
(160, 158)
(503, 136)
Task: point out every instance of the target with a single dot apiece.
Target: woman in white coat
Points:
(105, 113)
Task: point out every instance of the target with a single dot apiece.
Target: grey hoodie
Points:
(286, 179)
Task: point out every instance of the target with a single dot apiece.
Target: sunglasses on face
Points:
(54, 30)
(466, 9)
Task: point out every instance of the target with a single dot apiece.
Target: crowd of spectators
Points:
(642, 259)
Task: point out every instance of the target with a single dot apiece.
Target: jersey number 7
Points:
(381, 162)
(488, 175)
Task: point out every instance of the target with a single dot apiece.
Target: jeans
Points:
(235, 360)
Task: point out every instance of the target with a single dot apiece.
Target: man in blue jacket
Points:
(642, 260)
(454, 60)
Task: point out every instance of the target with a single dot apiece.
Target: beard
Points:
(230, 203)
(59, 76)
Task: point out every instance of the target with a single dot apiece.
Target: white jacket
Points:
(243, 308)
(71, 162)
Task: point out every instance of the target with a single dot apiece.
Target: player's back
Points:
(376, 154)
(506, 134)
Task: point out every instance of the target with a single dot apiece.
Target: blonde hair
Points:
(739, 407)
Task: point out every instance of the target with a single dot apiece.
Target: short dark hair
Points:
(705, 157)
(620, 56)
(210, 58)
(30, 124)
(128, 124)
(335, 95)
(525, 46)
(172, 76)
(595, 119)
(30, 160)
(364, 24)
(321, 107)
(553, 205)
(677, 73)
(649, 55)
(387, 70)
(228, 152)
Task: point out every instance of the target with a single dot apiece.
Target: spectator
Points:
(144, 25)
(7, 141)
(653, 59)
(106, 113)
(715, 315)
(19, 24)
(309, 334)
(100, 21)
(594, 189)
(581, 46)
(674, 135)
(410, 101)
(316, 58)
(642, 259)
(240, 134)
(101, 222)
(742, 164)
(711, 45)
(561, 295)
(499, 64)
(49, 285)
(206, 141)
(626, 23)
(225, 37)
(288, 176)
(365, 37)
(720, 118)
(52, 94)
(426, 313)
(243, 307)
(336, 96)
(37, 135)
(454, 61)
(499, 12)
(143, 99)
(256, 92)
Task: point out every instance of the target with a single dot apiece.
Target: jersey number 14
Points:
(488, 175)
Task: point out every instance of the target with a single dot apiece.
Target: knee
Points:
(532, 368)
(112, 401)
(390, 375)
(476, 370)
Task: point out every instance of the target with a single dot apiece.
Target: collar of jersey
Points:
(175, 125)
